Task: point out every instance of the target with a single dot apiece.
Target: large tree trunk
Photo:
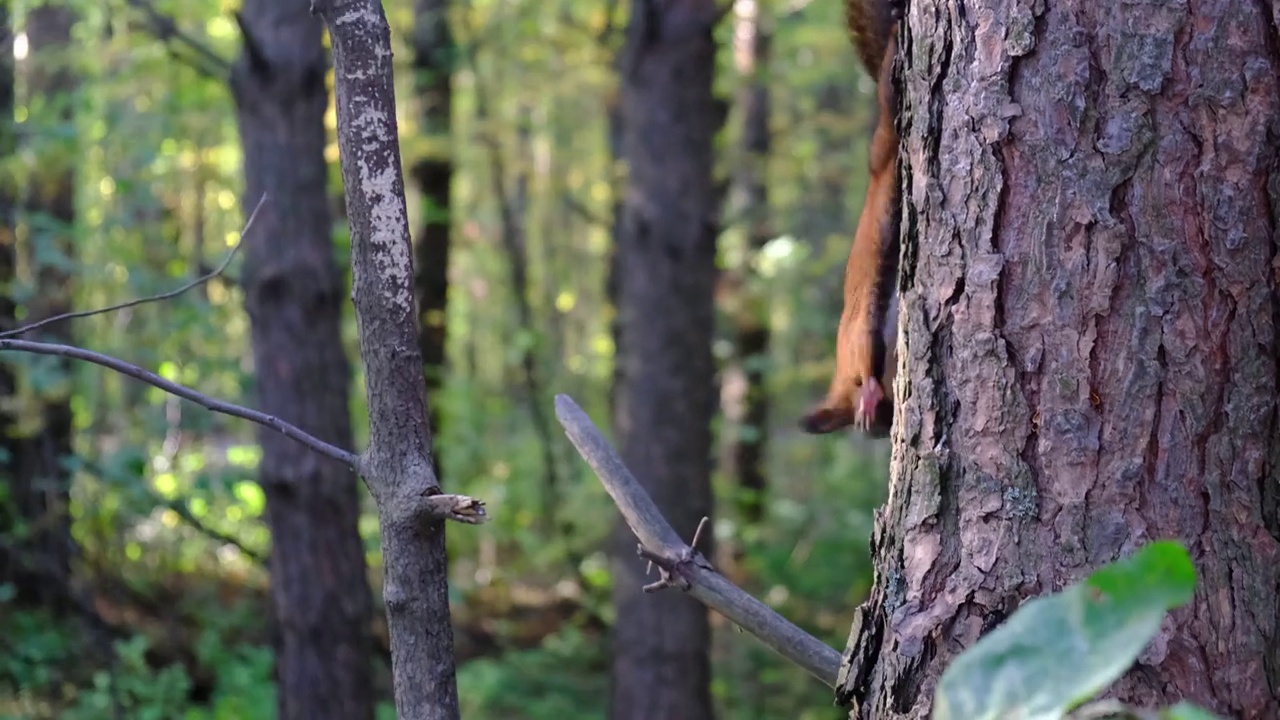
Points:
(1088, 322)
(294, 295)
(664, 407)
(434, 56)
(37, 437)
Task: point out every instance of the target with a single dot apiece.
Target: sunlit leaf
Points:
(250, 493)
(1059, 650)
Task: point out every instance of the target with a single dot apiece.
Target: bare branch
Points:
(150, 298)
(580, 208)
(681, 565)
(459, 508)
(219, 406)
(184, 513)
(611, 23)
(166, 29)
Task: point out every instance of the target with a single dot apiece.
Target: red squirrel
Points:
(864, 336)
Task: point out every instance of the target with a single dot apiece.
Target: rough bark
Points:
(667, 399)
(38, 559)
(434, 57)
(746, 301)
(320, 593)
(397, 466)
(1088, 322)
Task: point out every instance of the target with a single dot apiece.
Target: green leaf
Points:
(1059, 650)
(1187, 711)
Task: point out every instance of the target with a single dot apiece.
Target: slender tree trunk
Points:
(294, 295)
(613, 273)
(434, 58)
(667, 398)
(1089, 325)
(397, 466)
(747, 303)
(37, 438)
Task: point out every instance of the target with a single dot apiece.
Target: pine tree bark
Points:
(1089, 328)
(666, 275)
(294, 294)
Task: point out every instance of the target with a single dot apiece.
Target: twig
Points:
(611, 24)
(219, 406)
(166, 29)
(459, 508)
(184, 513)
(586, 213)
(683, 566)
(151, 298)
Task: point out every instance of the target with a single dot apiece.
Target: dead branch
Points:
(222, 267)
(184, 514)
(580, 209)
(681, 565)
(459, 508)
(210, 63)
(219, 406)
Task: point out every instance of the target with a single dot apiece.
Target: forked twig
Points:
(681, 565)
(150, 298)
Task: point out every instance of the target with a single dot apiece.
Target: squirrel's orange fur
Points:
(862, 373)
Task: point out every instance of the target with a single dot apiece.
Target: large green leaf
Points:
(1059, 650)
(1187, 711)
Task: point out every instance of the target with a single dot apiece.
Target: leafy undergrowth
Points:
(566, 677)
(45, 673)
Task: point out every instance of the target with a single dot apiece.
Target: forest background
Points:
(124, 174)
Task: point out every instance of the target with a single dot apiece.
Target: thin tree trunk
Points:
(667, 397)
(434, 58)
(1089, 319)
(513, 205)
(39, 558)
(397, 467)
(613, 273)
(747, 304)
(294, 295)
